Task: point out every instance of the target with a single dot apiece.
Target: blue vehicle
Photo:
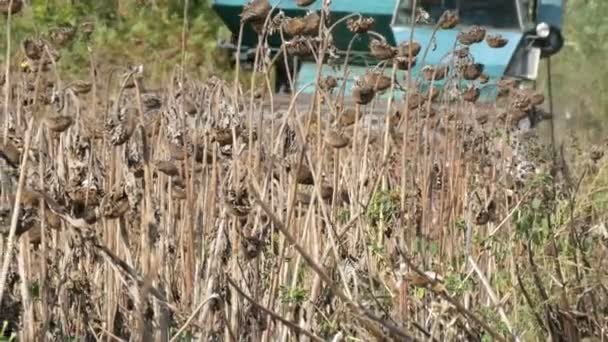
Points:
(531, 27)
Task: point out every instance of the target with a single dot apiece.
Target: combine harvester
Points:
(529, 30)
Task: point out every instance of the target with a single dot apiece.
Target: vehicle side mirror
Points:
(548, 39)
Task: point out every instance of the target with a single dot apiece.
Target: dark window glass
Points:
(489, 13)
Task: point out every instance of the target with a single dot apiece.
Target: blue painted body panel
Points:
(495, 61)
(306, 78)
(381, 11)
(550, 12)
(363, 6)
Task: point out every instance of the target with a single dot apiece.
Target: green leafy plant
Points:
(293, 295)
(383, 207)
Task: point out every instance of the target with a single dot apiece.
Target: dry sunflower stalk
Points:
(198, 183)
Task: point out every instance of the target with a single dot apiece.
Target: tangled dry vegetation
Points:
(201, 211)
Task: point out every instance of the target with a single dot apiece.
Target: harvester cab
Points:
(530, 29)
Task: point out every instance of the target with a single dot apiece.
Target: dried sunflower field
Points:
(205, 211)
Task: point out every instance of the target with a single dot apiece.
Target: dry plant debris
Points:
(192, 208)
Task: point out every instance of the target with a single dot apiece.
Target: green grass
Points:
(580, 82)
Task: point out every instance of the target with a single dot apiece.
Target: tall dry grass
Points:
(208, 211)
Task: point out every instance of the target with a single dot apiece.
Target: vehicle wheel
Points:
(552, 44)
(282, 80)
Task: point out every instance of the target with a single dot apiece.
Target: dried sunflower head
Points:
(404, 63)
(33, 48)
(360, 25)
(255, 10)
(328, 83)
(120, 128)
(496, 41)
(81, 87)
(303, 175)
(167, 167)
(62, 35)
(484, 78)
(300, 47)
(596, 153)
(348, 117)
(312, 21)
(471, 94)
(255, 13)
(505, 86)
(376, 80)
(403, 50)
(415, 100)
(472, 72)
(433, 93)
(86, 28)
(58, 123)
(437, 72)
(536, 98)
(463, 52)
(6, 7)
(449, 19)
(294, 26)
(336, 140)
(471, 36)
(363, 93)
(304, 3)
(381, 50)
(10, 153)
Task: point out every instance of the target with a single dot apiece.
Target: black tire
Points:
(552, 44)
(282, 79)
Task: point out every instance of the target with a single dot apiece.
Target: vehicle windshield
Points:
(490, 13)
